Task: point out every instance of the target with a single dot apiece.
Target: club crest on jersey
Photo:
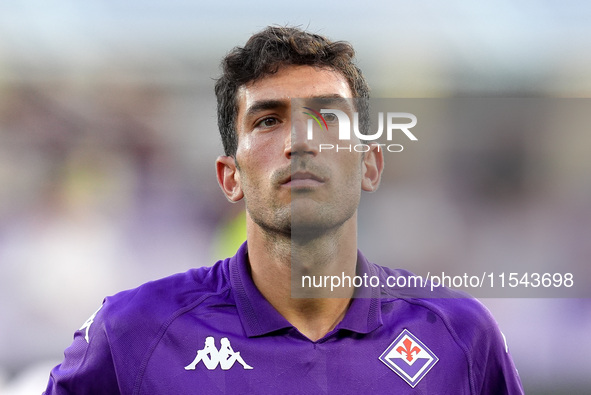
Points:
(409, 358)
(211, 357)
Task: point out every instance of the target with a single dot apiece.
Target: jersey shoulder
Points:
(157, 301)
(458, 309)
(109, 350)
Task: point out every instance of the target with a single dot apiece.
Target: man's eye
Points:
(330, 117)
(267, 122)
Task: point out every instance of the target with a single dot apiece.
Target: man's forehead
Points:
(291, 82)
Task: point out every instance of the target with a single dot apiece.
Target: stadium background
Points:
(108, 137)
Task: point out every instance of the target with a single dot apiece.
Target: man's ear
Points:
(229, 178)
(371, 168)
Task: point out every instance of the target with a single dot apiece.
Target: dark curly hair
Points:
(268, 50)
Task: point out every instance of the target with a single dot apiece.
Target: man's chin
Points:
(304, 233)
(310, 228)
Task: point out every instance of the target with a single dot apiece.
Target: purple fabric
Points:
(143, 341)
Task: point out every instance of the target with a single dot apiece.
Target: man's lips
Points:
(303, 179)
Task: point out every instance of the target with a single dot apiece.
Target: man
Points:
(301, 207)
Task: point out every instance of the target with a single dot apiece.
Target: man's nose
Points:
(298, 142)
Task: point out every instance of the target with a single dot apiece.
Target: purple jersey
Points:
(210, 331)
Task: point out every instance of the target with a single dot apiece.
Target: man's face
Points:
(288, 184)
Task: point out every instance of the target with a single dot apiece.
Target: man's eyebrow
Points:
(263, 105)
(332, 97)
(330, 100)
(274, 104)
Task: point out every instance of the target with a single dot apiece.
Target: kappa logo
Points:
(409, 358)
(212, 357)
(88, 323)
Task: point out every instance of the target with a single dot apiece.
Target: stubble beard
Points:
(299, 222)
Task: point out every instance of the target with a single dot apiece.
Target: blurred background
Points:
(108, 139)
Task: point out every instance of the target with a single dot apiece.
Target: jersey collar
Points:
(259, 317)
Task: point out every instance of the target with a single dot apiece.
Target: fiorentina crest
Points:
(409, 358)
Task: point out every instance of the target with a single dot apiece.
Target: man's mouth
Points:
(303, 179)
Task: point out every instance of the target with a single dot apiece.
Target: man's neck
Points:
(278, 263)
